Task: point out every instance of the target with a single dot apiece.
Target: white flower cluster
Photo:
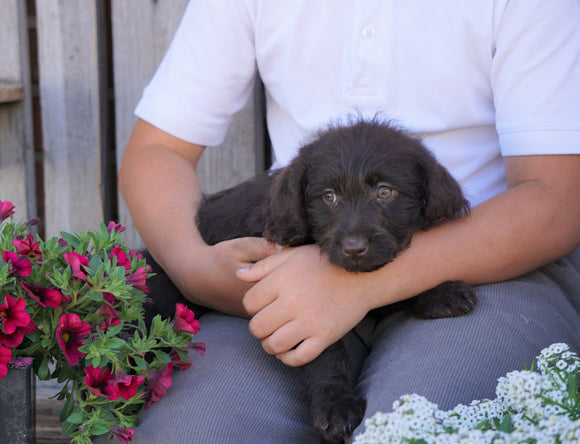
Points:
(530, 407)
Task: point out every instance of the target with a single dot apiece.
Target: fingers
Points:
(262, 268)
(282, 343)
(257, 248)
(308, 350)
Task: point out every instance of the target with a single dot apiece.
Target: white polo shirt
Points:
(476, 79)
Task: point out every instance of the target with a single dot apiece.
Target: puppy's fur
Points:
(359, 191)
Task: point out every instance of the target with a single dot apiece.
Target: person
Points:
(492, 89)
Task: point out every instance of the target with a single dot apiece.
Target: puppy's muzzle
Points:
(354, 248)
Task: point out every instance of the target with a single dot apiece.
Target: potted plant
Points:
(71, 308)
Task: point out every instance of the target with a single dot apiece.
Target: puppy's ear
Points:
(443, 196)
(285, 214)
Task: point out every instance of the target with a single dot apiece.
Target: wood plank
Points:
(72, 113)
(48, 425)
(142, 32)
(11, 91)
(16, 135)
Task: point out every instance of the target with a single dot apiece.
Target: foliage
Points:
(72, 307)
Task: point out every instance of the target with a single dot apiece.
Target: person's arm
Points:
(158, 181)
(300, 298)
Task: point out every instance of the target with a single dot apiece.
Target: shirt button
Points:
(368, 32)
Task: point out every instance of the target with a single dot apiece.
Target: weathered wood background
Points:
(71, 74)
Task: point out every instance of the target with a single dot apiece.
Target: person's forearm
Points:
(162, 192)
(513, 233)
(148, 183)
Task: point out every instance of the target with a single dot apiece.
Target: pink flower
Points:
(77, 262)
(18, 266)
(46, 297)
(180, 364)
(198, 347)
(138, 279)
(109, 314)
(15, 339)
(113, 226)
(101, 383)
(158, 383)
(122, 259)
(70, 334)
(6, 210)
(128, 385)
(185, 320)
(5, 357)
(18, 362)
(123, 435)
(27, 247)
(13, 314)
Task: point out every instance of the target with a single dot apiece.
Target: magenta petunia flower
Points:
(123, 435)
(138, 279)
(5, 358)
(77, 263)
(122, 259)
(198, 347)
(180, 364)
(128, 385)
(185, 320)
(109, 314)
(27, 247)
(70, 335)
(46, 297)
(18, 266)
(117, 228)
(6, 210)
(101, 383)
(158, 383)
(15, 339)
(13, 314)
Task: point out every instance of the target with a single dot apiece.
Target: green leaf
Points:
(162, 356)
(96, 361)
(70, 238)
(43, 371)
(115, 329)
(68, 408)
(505, 425)
(76, 417)
(95, 295)
(99, 430)
(141, 363)
(68, 428)
(115, 343)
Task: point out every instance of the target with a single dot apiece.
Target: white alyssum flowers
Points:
(530, 407)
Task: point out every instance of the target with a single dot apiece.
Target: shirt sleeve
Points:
(535, 77)
(207, 74)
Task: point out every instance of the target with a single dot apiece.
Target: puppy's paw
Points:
(448, 300)
(335, 418)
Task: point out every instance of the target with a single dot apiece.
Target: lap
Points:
(237, 393)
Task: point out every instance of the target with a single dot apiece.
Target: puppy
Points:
(359, 191)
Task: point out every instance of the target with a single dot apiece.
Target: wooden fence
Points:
(71, 74)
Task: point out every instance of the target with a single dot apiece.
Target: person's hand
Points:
(301, 304)
(208, 276)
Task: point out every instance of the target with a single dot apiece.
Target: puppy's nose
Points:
(354, 247)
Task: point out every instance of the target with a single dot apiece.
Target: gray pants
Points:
(237, 393)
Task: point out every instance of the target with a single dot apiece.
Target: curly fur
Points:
(359, 191)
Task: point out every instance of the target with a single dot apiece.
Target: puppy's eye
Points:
(384, 192)
(329, 196)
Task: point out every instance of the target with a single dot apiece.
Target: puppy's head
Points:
(360, 192)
